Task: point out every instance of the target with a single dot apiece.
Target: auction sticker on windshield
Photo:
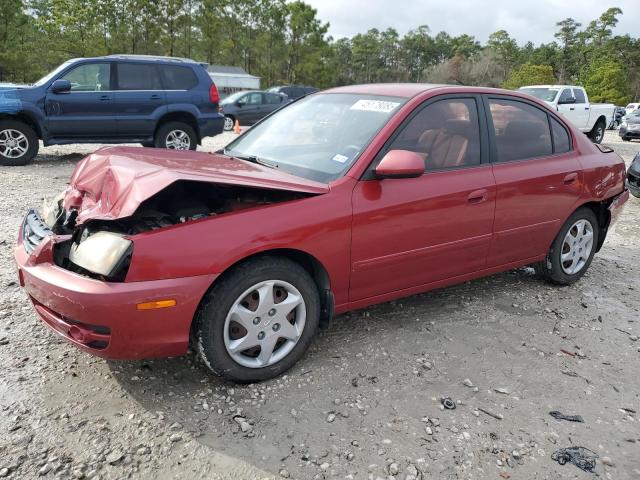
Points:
(374, 106)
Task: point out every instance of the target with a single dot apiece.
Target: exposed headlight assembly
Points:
(100, 253)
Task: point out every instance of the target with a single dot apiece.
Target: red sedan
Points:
(343, 199)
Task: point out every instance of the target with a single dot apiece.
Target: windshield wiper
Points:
(251, 158)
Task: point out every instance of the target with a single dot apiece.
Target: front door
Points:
(538, 177)
(86, 111)
(140, 99)
(250, 108)
(412, 232)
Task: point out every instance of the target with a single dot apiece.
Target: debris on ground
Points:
(581, 457)
(448, 403)
(569, 418)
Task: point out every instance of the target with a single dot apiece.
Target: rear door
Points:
(412, 232)
(273, 101)
(538, 178)
(88, 110)
(140, 99)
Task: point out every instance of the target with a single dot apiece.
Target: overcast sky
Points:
(524, 19)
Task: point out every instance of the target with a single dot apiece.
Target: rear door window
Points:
(273, 98)
(521, 130)
(177, 78)
(138, 76)
(579, 95)
(565, 96)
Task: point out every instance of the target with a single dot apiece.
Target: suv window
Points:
(273, 98)
(561, 140)
(90, 77)
(177, 78)
(138, 76)
(579, 95)
(521, 130)
(445, 133)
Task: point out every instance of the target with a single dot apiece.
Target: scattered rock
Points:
(607, 461)
(467, 383)
(331, 417)
(114, 457)
(175, 437)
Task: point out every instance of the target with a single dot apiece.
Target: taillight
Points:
(214, 96)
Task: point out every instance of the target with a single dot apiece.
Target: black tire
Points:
(148, 144)
(626, 139)
(160, 140)
(29, 136)
(597, 133)
(229, 123)
(551, 268)
(210, 320)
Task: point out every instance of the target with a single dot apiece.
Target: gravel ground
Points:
(364, 403)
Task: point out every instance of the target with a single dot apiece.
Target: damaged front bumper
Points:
(104, 318)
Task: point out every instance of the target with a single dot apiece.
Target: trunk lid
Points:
(112, 182)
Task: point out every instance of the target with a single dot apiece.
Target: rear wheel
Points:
(176, 136)
(18, 143)
(228, 123)
(597, 134)
(258, 321)
(572, 250)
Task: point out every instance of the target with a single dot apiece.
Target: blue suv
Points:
(159, 102)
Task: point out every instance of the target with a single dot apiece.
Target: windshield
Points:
(318, 137)
(546, 94)
(51, 74)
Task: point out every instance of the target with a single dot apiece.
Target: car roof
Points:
(144, 58)
(409, 90)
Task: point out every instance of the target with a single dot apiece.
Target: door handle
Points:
(571, 108)
(155, 97)
(571, 178)
(104, 98)
(586, 108)
(478, 196)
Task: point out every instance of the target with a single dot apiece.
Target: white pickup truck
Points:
(573, 103)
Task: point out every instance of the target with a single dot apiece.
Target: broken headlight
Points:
(101, 253)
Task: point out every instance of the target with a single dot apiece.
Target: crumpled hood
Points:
(112, 182)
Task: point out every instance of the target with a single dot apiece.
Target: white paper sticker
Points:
(374, 106)
(340, 158)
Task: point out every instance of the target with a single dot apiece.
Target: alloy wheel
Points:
(13, 143)
(576, 247)
(178, 140)
(228, 123)
(264, 324)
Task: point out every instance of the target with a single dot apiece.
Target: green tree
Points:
(604, 82)
(529, 74)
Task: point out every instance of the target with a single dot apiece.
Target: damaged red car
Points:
(343, 199)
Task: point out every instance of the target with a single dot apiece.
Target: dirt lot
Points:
(363, 403)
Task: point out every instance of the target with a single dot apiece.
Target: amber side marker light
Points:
(156, 304)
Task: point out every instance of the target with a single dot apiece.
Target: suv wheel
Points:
(18, 143)
(228, 123)
(572, 250)
(176, 136)
(258, 321)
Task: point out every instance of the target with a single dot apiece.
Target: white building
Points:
(232, 79)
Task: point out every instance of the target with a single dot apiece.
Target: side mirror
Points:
(400, 164)
(61, 86)
(240, 103)
(567, 101)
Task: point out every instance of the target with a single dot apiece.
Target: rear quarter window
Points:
(561, 140)
(178, 78)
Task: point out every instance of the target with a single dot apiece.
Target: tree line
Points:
(285, 42)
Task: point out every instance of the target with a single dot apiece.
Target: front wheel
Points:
(176, 136)
(572, 250)
(18, 143)
(597, 134)
(258, 320)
